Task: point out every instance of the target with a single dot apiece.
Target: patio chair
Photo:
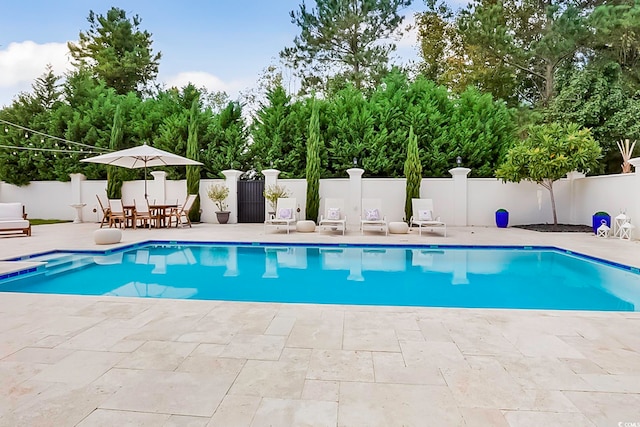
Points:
(104, 207)
(422, 210)
(334, 217)
(372, 217)
(285, 214)
(182, 212)
(116, 213)
(142, 213)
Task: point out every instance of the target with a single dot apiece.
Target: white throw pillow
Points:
(284, 213)
(371, 214)
(425, 215)
(333, 213)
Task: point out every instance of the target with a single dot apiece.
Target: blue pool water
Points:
(375, 275)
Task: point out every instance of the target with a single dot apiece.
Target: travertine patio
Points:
(106, 361)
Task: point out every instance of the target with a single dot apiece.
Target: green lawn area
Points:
(47, 221)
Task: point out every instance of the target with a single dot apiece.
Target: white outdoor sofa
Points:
(14, 219)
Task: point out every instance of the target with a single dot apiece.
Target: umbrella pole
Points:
(145, 181)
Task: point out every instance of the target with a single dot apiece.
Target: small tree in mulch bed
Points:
(548, 153)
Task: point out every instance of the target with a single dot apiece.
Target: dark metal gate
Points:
(251, 201)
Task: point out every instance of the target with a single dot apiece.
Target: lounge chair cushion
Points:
(333, 213)
(285, 213)
(372, 214)
(425, 215)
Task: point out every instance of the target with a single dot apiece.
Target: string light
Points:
(27, 130)
(43, 149)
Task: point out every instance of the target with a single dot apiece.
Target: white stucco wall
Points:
(576, 200)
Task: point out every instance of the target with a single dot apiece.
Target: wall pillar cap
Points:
(232, 173)
(270, 172)
(459, 171)
(158, 174)
(79, 176)
(355, 172)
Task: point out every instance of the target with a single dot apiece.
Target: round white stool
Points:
(107, 236)
(305, 226)
(398, 227)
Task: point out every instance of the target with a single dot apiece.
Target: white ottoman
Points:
(305, 226)
(398, 227)
(107, 236)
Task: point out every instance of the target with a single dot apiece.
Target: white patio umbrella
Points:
(142, 156)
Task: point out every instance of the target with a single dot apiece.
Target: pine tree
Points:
(313, 166)
(193, 172)
(413, 172)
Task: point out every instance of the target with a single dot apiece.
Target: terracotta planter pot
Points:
(223, 217)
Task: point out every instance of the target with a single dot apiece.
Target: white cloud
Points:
(211, 82)
(409, 38)
(21, 63)
(25, 61)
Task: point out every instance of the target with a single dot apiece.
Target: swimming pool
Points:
(431, 276)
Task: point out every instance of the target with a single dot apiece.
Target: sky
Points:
(223, 45)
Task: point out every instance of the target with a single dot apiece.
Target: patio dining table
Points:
(159, 212)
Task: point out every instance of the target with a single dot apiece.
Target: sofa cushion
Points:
(10, 211)
(14, 224)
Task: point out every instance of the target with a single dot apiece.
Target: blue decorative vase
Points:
(597, 218)
(502, 218)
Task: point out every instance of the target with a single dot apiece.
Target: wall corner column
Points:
(354, 200)
(635, 162)
(231, 181)
(270, 178)
(460, 193)
(159, 187)
(573, 211)
(76, 195)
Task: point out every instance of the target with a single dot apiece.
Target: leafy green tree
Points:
(227, 136)
(412, 172)
(616, 37)
(347, 38)
(548, 153)
(595, 97)
(280, 132)
(117, 51)
(193, 151)
(313, 166)
(480, 131)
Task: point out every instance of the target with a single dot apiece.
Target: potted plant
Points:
(597, 218)
(502, 218)
(274, 192)
(218, 194)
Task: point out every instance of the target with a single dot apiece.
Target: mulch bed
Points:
(563, 228)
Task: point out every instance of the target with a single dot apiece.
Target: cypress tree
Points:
(412, 172)
(114, 179)
(313, 166)
(193, 172)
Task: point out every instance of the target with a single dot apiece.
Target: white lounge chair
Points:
(372, 217)
(285, 214)
(423, 216)
(334, 217)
